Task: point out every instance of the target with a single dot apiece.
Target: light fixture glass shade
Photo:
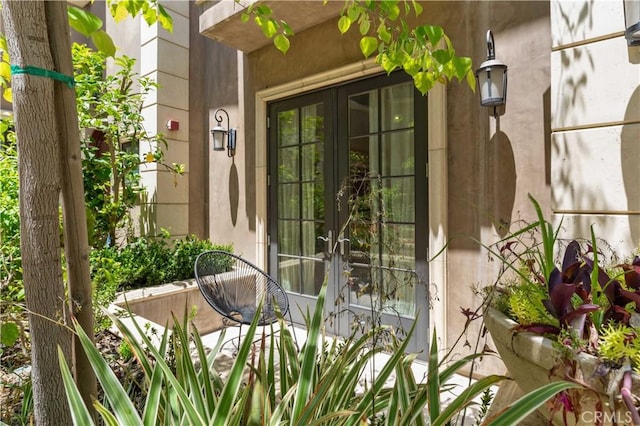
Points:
(632, 21)
(492, 83)
(218, 134)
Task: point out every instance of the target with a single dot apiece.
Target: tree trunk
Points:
(76, 239)
(38, 167)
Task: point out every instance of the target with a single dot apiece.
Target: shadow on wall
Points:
(501, 182)
(234, 193)
(148, 215)
(630, 160)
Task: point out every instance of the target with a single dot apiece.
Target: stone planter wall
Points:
(529, 358)
(156, 304)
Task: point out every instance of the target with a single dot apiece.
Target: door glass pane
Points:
(312, 161)
(397, 107)
(313, 200)
(300, 198)
(398, 199)
(288, 164)
(289, 201)
(312, 123)
(398, 158)
(288, 237)
(363, 113)
(382, 194)
(288, 126)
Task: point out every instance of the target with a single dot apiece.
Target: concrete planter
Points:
(157, 304)
(530, 359)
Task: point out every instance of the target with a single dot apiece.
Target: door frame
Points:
(437, 175)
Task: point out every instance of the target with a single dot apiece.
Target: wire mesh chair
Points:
(234, 287)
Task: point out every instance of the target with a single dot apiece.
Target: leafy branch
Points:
(424, 52)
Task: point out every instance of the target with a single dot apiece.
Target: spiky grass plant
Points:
(317, 385)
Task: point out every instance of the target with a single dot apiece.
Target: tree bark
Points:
(76, 239)
(40, 181)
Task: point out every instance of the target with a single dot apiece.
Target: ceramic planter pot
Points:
(530, 358)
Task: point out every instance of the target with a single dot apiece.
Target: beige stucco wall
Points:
(492, 166)
(595, 104)
(164, 58)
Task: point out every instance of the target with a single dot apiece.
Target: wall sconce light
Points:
(492, 79)
(219, 134)
(632, 22)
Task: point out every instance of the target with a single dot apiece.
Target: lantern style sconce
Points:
(492, 79)
(219, 134)
(632, 22)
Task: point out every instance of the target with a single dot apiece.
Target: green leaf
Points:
(530, 402)
(150, 16)
(79, 412)
(82, 21)
(424, 81)
(286, 29)
(471, 80)
(234, 380)
(433, 380)
(461, 65)
(434, 33)
(103, 43)
(368, 45)
(365, 24)
(9, 333)
(244, 17)
(281, 42)
(417, 7)
(269, 27)
(383, 33)
(124, 409)
(344, 23)
(5, 70)
(442, 56)
(309, 356)
(165, 18)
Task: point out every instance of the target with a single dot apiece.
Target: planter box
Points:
(530, 358)
(156, 304)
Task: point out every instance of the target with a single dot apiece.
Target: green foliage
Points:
(524, 302)
(11, 304)
(110, 108)
(152, 11)
(125, 351)
(5, 70)
(620, 343)
(149, 261)
(424, 52)
(144, 262)
(272, 28)
(90, 26)
(318, 384)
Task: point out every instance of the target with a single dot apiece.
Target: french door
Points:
(348, 203)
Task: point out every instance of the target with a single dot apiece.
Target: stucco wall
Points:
(595, 104)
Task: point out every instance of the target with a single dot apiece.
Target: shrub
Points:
(143, 263)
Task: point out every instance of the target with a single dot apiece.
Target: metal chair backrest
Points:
(234, 287)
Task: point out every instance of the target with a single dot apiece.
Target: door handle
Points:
(342, 241)
(328, 240)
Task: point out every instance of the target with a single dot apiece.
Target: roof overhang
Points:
(222, 21)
